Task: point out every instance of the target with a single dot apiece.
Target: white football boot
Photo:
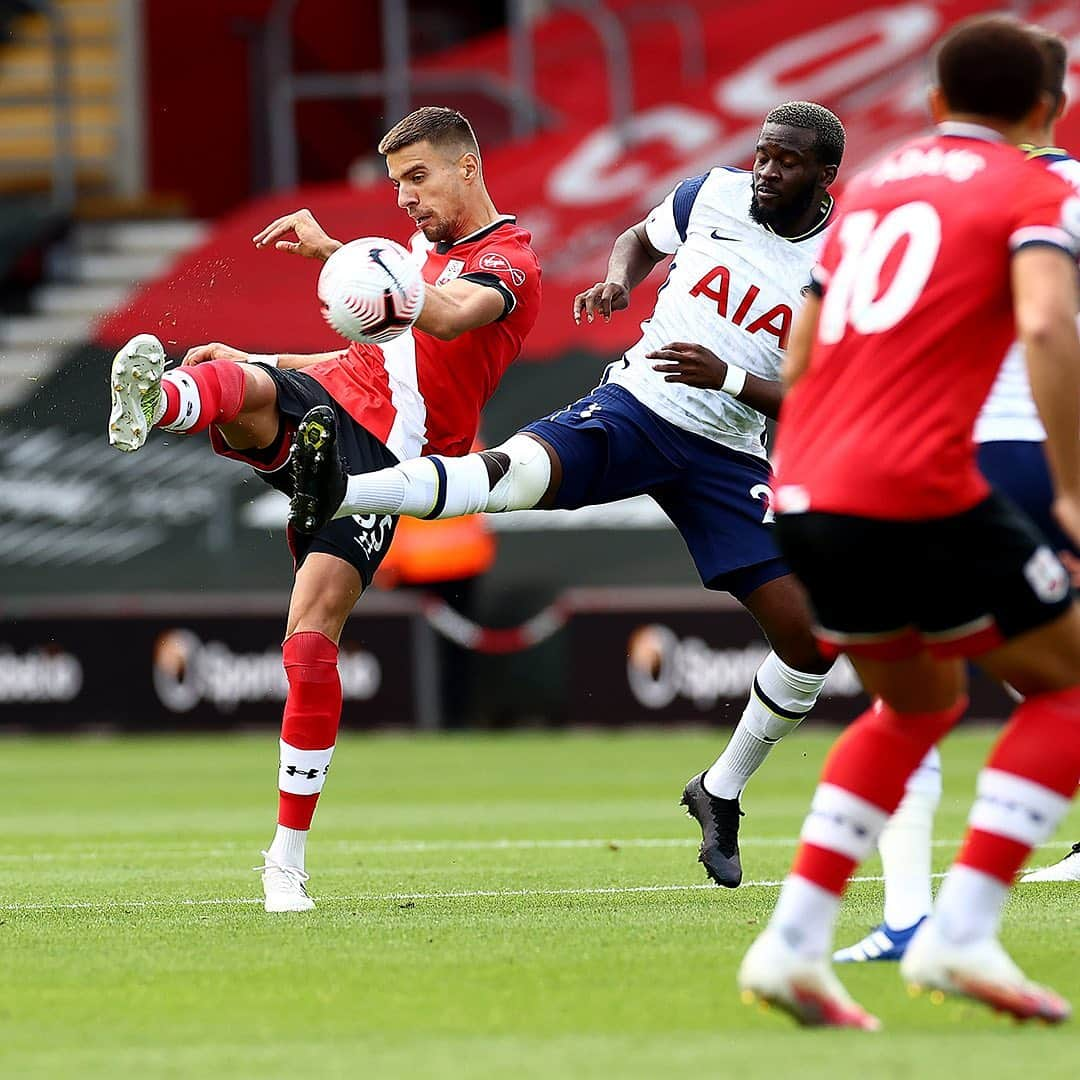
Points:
(980, 970)
(1068, 869)
(283, 886)
(135, 384)
(807, 990)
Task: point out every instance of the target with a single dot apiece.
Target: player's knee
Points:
(798, 649)
(928, 726)
(522, 471)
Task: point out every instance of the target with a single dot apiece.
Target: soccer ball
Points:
(370, 290)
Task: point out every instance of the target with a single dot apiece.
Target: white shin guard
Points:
(526, 480)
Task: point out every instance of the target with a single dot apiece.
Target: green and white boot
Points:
(135, 384)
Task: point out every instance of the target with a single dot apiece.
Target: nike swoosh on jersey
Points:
(718, 236)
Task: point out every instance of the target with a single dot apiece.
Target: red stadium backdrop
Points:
(580, 185)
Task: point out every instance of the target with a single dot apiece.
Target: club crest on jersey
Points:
(501, 265)
(452, 269)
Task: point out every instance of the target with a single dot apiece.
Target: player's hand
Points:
(312, 241)
(214, 351)
(692, 365)
(603, 298)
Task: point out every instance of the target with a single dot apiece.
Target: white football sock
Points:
(905, 844)
(779, 699)
(287, 847)
(805, 916)
(416, 488)
(190, 401)
(969, 905)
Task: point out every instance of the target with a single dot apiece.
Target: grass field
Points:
(522, 905)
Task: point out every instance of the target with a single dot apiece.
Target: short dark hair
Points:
(1055, 54)
(442, 127)
(992, 66)
(826, 126)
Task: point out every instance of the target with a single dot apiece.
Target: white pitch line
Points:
(374, 898)
(418, 846)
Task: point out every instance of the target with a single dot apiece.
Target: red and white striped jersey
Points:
(419, 395)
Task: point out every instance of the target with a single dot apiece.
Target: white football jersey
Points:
(733, 286)
(1009, 414)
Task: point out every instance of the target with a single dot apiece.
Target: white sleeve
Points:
(660, 226)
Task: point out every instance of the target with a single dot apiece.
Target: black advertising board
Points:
(200, 669)
(683, 656)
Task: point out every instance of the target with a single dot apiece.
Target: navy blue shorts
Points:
(1019, 471)
(612, 447)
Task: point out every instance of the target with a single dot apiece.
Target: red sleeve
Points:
(504, 265)
(1047, 213)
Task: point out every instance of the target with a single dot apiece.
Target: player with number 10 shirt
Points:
(915, 319)
(942, 253)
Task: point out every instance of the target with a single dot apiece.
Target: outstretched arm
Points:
(217, 350)
(632, 260)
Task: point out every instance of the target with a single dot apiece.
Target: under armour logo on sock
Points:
(307, 774)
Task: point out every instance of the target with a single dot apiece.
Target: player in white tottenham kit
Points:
(1010, 437)
(680, 417)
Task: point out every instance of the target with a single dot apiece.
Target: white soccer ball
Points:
(371, 290)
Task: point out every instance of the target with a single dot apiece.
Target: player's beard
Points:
(784, 217)
(438, 232)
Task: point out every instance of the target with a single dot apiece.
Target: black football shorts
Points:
(362, 540)
(957, 586)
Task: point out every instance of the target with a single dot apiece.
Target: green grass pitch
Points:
(525, 905)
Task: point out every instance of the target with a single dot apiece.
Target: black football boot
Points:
(318, 473)
(719, 821)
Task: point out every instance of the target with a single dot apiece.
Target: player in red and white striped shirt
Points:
(421, 393)
(943, 252)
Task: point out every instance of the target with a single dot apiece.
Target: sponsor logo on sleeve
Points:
(500, 264)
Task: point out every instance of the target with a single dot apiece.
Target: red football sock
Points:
(197, 397)
(861, 785)
(1026, 787)
(310, 725)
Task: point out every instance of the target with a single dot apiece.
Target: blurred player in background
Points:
(943, 251)
(1010, 439)
(681, 417)
(421, 392)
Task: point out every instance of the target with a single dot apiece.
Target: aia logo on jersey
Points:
(501, 265)
(716, 285)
